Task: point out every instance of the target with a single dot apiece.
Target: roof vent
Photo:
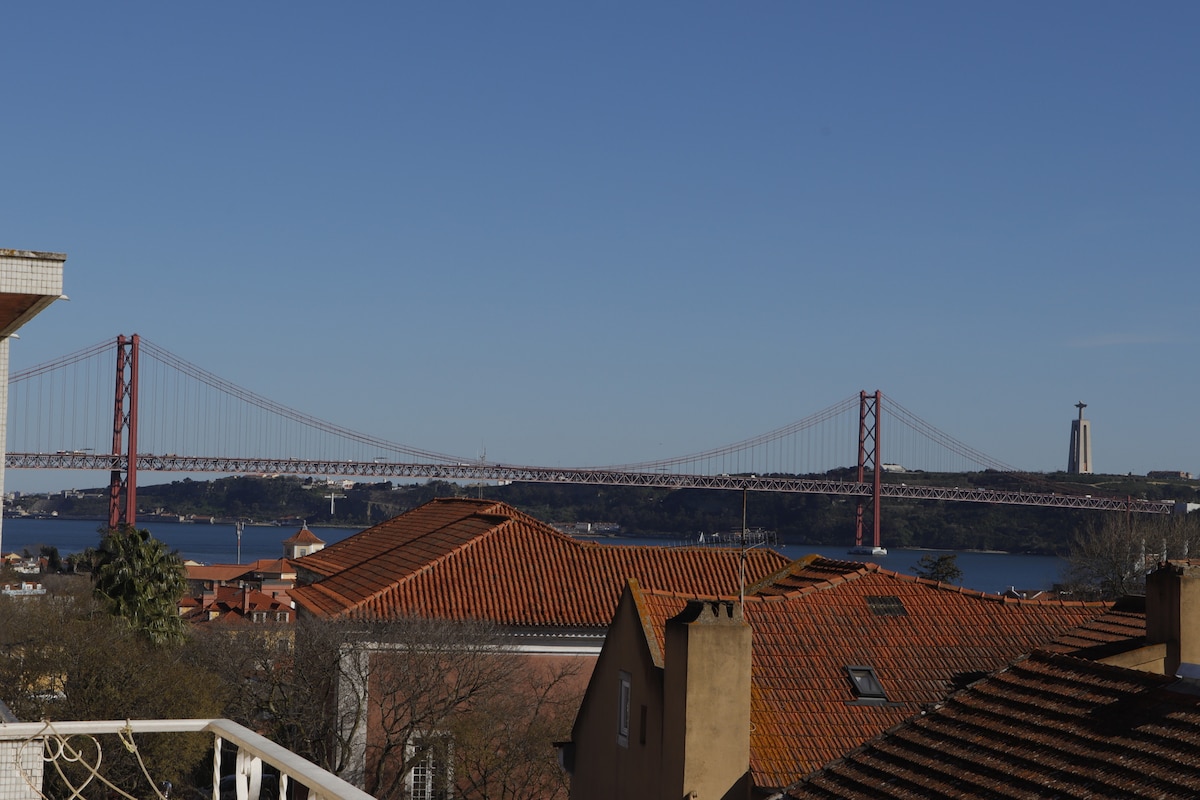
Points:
(886, 605)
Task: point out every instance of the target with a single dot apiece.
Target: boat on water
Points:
(749, 537)
(867, 550)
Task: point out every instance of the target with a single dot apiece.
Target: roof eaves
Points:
(649, 637)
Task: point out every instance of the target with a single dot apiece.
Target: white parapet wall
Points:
(30, 281)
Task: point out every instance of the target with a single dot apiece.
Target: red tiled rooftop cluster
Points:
(1048, 726)
(819, 616)
(460, 558)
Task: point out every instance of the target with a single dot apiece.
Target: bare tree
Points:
(374, 701)
(1111, 555)
(504, 747)
(412, 679)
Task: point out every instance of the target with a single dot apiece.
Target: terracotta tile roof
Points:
(921, 638)
(1122, 627)
(230, 603)
(805, 572)
(216, 572)
(271, 565)
(462, 558)
(303, 536)
(1048, 726)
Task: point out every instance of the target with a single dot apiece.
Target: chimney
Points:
(706, 713)
(1173, 616)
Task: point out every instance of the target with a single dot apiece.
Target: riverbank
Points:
(987, 571)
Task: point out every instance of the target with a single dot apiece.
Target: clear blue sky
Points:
(581, 234)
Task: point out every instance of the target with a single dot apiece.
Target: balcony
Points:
(246, 766)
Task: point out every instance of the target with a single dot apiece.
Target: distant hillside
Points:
(797, 518)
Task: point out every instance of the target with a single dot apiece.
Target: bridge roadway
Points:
(596, 477)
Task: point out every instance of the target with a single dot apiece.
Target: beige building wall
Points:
(673, 724)
(706, 727)
(1173, 614)
(612, 760)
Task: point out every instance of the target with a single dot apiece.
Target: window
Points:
(886, 606)
(431, 776)
(624, 692)
(866, 685)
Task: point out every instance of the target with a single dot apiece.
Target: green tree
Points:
(53, 559)
(943, 568)
(63, 658)
(138, 579)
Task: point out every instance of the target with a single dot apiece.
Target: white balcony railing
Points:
(27, 748)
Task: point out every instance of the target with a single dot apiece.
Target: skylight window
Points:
(866, 684)
(886, 605)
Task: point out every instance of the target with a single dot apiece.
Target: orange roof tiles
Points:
(1048, 726)
(922, 639)
(460, 558)
(230, 603)
(271, 565)
(1122, 627)
(216, 572)
(303, 536)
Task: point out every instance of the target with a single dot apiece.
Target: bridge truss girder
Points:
(594, 477)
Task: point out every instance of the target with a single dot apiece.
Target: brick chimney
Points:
(1173, 615)
(706, 714)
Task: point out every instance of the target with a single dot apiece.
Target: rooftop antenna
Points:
(482, 461)
(239, 526)
(742, 555)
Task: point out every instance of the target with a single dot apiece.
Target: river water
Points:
(218, 544)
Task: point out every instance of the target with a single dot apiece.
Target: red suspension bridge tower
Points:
(125, 412)
(868, 458)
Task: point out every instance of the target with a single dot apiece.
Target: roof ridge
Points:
(475, 541)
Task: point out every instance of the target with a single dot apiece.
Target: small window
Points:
(866, 684)
(624, 693)
(431, 777)
(886, 605)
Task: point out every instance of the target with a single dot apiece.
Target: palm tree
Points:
(138, 579)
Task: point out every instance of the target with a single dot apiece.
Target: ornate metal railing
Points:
(260, 769)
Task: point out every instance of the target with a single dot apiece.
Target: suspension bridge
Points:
(136, 407)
